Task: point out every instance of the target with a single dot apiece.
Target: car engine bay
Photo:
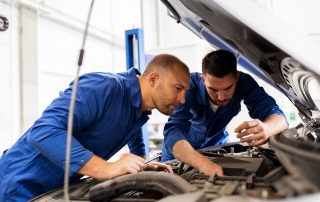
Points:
(249, 174)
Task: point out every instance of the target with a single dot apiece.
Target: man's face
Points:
(170, 90)
(220, 90)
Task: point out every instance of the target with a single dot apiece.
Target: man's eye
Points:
(228, 88)
(213, 91)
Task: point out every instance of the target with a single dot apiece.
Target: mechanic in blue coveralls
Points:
(109, 113)
(213, 99)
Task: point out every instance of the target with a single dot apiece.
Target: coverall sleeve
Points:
(179, 123)
(136, 145)
(48, 135)
(258, 102)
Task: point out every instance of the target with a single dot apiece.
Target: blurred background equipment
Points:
(4, 23)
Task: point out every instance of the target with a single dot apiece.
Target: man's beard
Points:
(165, 109)
(220, 103)
(161, 103)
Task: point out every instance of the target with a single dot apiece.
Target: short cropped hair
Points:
(219, 63)
(165, 61)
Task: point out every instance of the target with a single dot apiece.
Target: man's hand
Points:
(158, 167)
(100, 169)
(127, 164)
(253, 132)
(211, 169)
(184, 152)
(257, 133)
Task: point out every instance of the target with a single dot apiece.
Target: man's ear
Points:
(203, 77)
(153, 79)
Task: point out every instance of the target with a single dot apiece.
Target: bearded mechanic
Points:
(213, 99)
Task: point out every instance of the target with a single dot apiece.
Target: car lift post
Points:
(135, 57)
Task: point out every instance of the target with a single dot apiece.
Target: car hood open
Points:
(280, 56)
(263, 45)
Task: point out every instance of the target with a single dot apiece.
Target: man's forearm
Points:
(276, 124)
(184, 152)
(100, 169)
(97, 168)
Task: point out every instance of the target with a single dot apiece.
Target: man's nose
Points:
(181, 99)
(221, 95)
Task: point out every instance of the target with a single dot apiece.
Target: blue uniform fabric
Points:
(107, 117)
(196, 122)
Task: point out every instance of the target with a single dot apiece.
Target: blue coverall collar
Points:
(135, 91)
(133, 84)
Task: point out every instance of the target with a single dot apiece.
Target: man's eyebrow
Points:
(180, 85)
(221, 89)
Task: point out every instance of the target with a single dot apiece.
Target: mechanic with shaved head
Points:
(213, 99)
(109, 113)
